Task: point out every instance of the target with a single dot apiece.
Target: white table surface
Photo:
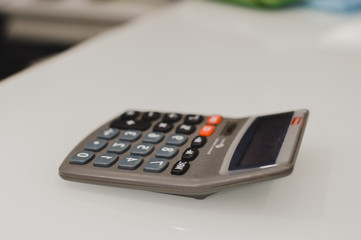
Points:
(195, 56)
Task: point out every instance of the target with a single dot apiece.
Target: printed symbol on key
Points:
(108, 132)
(130, 122)
(185, 127)
(153, 135)
(168, 149)
(180, 165)
(178, 137)
(157, 162)
(118, 145)
(130, 159)
(83, 155)
(190, 152)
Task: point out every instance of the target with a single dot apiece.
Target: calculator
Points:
(190, 155)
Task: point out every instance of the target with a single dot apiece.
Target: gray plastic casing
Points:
(207, 174)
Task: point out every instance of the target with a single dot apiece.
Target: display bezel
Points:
(285, 154)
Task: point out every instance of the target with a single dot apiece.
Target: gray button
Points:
(177, 139)
(109, 133)
(105, 160)
(156, 165)
(143, 149)
(153, 137)
(119, 147)
(131, 162)
(82, 157)
(96, 145)
(167, 151)
(130, 135)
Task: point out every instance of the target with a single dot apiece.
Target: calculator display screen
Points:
(262, 142)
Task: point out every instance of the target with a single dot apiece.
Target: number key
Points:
(156, 165)
(177, 139)
(167, 151)
(143, 149)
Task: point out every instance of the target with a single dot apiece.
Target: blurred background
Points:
(31, 30)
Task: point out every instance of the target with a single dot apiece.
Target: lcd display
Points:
(262, 142)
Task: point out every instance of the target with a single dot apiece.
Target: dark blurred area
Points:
(33, 30)
(16, 55)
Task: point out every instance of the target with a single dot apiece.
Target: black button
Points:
(193, 119)
(199, 141)
(151, 116)
(185, 129)
(190, 154)
(130, 124)
(129, 115)
(171, 117)
(180, 167)
(163, 127)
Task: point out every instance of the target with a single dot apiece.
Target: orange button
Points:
(214, 119)
(206, 130)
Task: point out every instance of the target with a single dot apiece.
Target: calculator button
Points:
(96, 145)
(153, 137)
(105, 160)
(193, 119)
(130, 135)
(82, 157)
(130, 162)
(185, 129)
(163, 127)
(190, 154)
(130, 124)
(171, 117)
(177, 139)
(119, 147)
(199, 141)
(156, 165)
(207, 130)
(180, 167)
(108, 134)
(214, 119)
(143, 149)
(129, 115)
(151, 116)
(167, 151)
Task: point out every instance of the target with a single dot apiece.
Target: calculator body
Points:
(237, 151)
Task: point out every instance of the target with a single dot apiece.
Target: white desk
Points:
(195, 56)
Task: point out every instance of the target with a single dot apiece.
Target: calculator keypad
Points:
(154, 150)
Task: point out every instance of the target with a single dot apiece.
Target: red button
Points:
(214, 119)
(206, 130)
